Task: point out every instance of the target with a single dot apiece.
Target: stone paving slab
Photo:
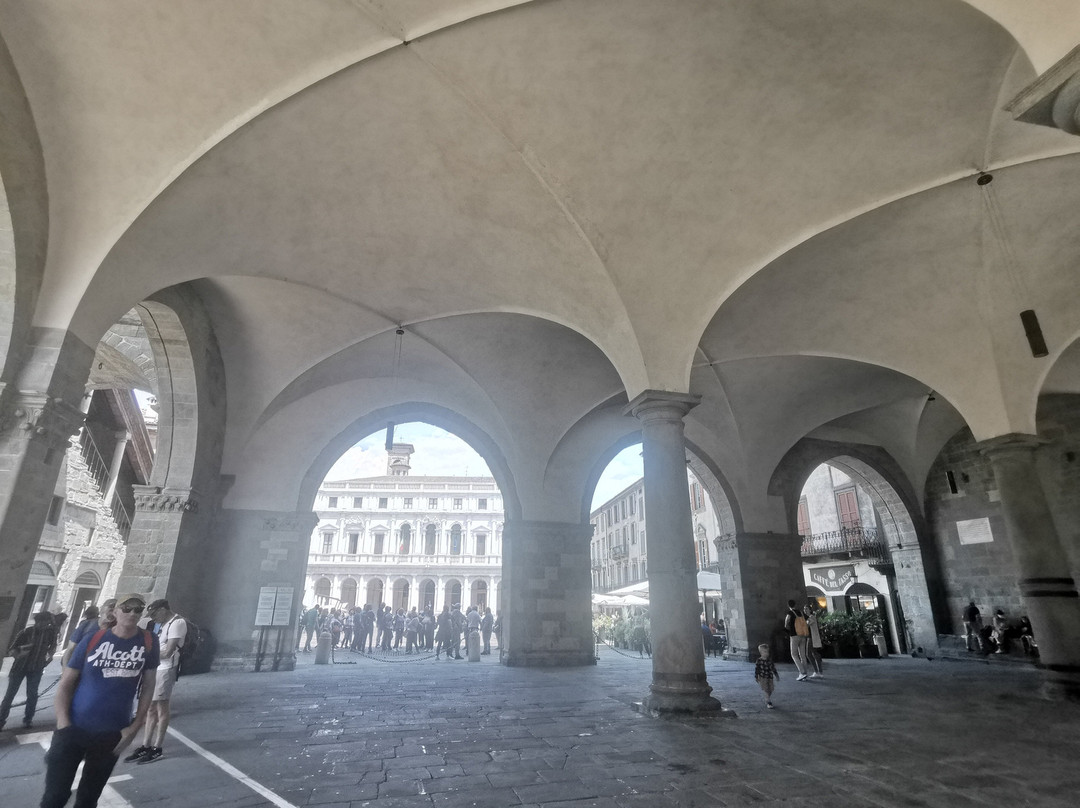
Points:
(894, 732)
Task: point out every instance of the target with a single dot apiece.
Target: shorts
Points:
(163, 684)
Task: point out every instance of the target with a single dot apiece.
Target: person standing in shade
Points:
(487, 622)
(445, 630)
(814, 648)
(798, 636)
(457, 628)
(766, 674)
(88, 625)
(33, 649)
(972, 626)
(311, 627)
(171, 639)
(93, 705)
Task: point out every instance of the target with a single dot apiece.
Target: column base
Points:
(680, 694)
(669, 704)
(547, 659)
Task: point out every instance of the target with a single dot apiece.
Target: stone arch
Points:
(717, 488)
(24, 217)
(375, 592)
(349, 591)
(914, 568)
(171, 550)
(452, 592)
(427, 592)
(476, 438)
(401, 592)
(323, 588)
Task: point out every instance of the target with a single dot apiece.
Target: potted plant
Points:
(842, 632)
(869, 627)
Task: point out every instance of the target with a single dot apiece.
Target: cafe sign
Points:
(833, 578)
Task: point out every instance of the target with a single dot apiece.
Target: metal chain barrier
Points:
(601, 641)
(40, 693)
(393, 657)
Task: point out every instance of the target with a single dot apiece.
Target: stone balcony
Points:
(846, 543)
(320, 562)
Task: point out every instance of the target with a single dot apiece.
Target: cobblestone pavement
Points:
(895, 732)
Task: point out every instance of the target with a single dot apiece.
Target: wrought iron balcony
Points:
(848, 542)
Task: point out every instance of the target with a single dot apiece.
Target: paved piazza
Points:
(896, 732)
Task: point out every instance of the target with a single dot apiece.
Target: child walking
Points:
(765, 674)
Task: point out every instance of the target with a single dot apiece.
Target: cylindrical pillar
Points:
(679, 683)
(1046, 584)
(122, 438)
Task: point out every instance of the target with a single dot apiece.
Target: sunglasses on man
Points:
(130, 609)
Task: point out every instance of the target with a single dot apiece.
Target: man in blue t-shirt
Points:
(93, 705)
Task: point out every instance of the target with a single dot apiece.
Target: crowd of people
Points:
(368, 629)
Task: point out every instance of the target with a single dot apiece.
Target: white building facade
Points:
(406, 541)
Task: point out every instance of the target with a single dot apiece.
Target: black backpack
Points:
(189, 648)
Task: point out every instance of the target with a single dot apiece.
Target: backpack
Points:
(189, 648)
(801, 629)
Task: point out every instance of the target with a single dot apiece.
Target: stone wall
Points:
(761, 572)
(985, 572)
(547, 609)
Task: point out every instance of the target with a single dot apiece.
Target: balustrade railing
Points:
(99, 473)
(865, 541)
(407, 559)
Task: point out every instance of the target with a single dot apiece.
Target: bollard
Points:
(882, 648)
(322, 650)
(472, 646)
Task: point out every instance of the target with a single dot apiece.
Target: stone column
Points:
(1046, 584)
(678, 683)
(547, 618)
(761, 572)
(34, 433)
(156, 527)
(250, 550)
(122, 438)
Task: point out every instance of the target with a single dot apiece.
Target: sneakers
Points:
(136, 754)
(152, 753)
(769, 704)
(816, 675)
(801, 677)
(28, 723)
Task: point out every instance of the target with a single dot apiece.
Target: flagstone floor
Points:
(894, 732)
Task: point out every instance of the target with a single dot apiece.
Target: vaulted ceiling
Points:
(564, 203)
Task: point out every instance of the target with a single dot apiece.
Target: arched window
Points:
(452, 593)
(427, 595)
(348, 592)
(322, 589)
(479, 596)
(401, 594)
(429, 540)
(375, 592)
(406, 539)
(455, 540)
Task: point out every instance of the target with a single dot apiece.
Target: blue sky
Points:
(440, 453)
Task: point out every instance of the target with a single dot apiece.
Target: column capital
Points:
(165, 500)
(1010, 443)
(38, 415)
(650, 404)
